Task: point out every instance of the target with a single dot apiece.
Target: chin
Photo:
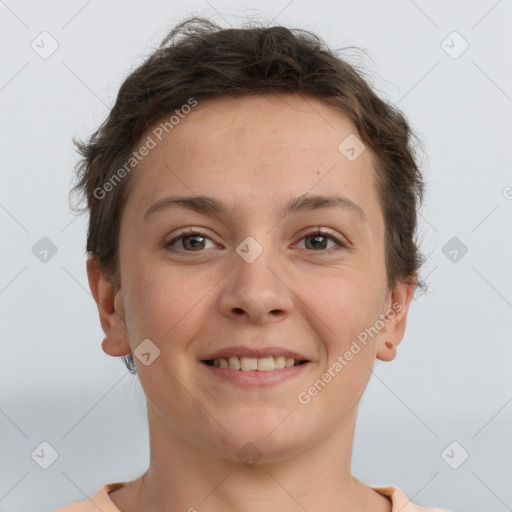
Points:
(264, 441)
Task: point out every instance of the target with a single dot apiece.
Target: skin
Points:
(253, 153)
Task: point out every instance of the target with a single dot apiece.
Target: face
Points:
(196, 281)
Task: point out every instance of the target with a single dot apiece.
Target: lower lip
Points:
(254, 378)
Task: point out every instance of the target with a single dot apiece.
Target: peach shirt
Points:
(101, 501)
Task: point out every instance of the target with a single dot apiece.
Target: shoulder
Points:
(98, 501)
(400, 502)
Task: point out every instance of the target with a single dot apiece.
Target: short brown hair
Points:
(200, 59)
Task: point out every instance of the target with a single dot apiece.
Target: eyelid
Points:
(342, 242)
(189, 231)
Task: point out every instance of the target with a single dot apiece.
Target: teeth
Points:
(246, 363)
(234, 363)
(262, 364)
(265, 364)
(279, 362)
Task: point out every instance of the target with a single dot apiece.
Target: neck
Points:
(182, 476)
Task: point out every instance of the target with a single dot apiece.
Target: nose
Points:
(258, 291)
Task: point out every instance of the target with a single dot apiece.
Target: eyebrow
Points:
(212, 206)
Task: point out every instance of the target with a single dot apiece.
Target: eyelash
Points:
(318, 232)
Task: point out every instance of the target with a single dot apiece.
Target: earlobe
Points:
(387, 352)
(397, 307)
(110, 309)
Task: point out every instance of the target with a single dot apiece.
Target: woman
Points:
(251, 250)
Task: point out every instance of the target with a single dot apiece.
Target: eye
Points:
(192, 240)
(319, 245)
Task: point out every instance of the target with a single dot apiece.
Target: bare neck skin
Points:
(316, 478)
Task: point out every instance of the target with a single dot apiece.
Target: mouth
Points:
(251, 368)
(260, 364)
(256, 367)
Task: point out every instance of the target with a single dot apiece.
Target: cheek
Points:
(165, 307)
(348, 313)
(344, 317)
(344, 309)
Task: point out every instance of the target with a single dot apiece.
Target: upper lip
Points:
(260, 352)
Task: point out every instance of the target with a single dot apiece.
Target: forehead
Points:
(271, 145)
(262, 119)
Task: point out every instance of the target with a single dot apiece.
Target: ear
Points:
(395, 308)
(111, 310)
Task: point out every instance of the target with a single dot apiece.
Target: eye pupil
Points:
(316, 237)
(189, 237)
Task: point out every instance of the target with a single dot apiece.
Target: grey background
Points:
(451, 380)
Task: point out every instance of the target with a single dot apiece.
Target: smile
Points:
(260, 364)
(250, 372)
